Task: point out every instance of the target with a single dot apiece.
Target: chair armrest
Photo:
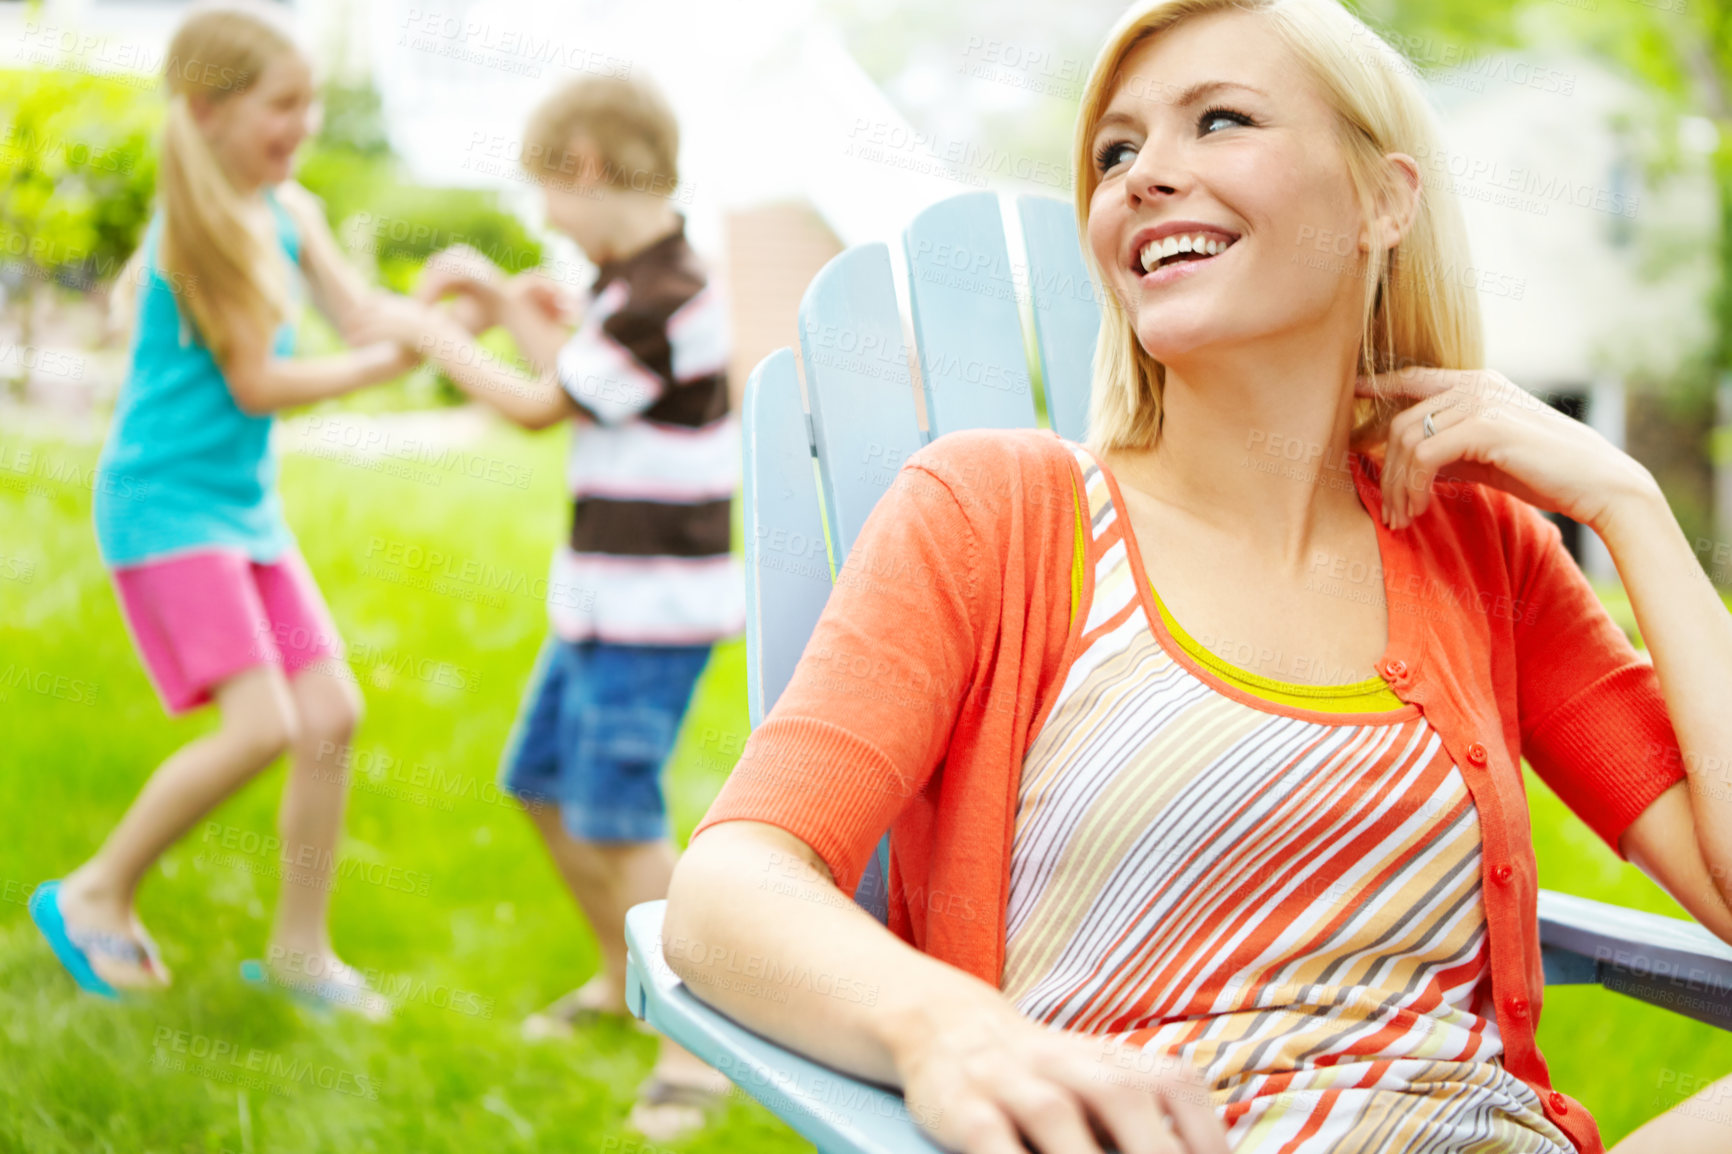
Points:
(838, 1114)
(1664, 961)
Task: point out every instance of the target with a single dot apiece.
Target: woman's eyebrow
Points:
(1148, 88)
(1145, 89)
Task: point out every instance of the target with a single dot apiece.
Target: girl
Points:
(188, 520)
(1143, 897)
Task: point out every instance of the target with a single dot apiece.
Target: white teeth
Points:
(1158, 250)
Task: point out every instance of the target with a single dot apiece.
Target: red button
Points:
(1396, 669)
(1503, 874)
(1517, 1007)
(1476, 753)
(1559, 1104)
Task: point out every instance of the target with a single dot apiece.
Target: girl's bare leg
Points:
(311, 819)
(258, 723)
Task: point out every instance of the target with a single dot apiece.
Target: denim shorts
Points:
(596, 726)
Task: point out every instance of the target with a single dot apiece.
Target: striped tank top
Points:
(1285, 897)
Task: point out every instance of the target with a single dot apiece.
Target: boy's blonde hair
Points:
(626, 121)
(1414, 312)
(209, 249)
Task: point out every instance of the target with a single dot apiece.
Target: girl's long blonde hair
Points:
(1418, 308)
(211, 251)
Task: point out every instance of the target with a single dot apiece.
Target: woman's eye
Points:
(1111, 155)
(1214, 115)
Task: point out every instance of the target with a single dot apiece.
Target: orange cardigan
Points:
(948, 634)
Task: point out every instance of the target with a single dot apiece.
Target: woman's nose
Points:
(1156, 172)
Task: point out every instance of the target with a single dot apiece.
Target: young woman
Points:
(188, 520)
(1148, 897)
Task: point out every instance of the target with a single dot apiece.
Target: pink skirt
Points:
(199, 618)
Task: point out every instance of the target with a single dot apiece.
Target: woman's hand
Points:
(982, 1079)
(1487, 429)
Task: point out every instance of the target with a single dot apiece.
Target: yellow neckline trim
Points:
(1076, 565)
(1372, 695)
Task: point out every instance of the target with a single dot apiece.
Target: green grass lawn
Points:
(215, 1066)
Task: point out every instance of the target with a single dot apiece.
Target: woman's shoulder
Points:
(996, 455)
(997, 473)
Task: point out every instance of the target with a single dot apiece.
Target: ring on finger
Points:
(1430, 429)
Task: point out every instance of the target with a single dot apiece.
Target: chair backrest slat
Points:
(862, 390)
(787, 569)
(1067, 315)
(973, 365)
(863, 423)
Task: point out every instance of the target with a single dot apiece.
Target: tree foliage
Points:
(77, 172)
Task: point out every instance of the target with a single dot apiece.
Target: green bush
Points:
(77, 172)
(372, 208)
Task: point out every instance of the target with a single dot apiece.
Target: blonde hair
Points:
(210, 250)
(627, 121)
(1413, 315)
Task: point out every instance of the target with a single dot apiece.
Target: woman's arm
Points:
(1683, 840)
(1489, 430)
(756, 927)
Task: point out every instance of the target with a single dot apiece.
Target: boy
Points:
(645, 584)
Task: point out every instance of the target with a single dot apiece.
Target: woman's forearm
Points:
(755, 927)
(285, 382)
(1689, 636)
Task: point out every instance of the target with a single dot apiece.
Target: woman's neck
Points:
(1250, 443)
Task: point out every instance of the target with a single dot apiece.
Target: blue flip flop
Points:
(321, 995)
(73, 950)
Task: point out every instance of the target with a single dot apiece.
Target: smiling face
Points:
(255, 133)
(1219, 172)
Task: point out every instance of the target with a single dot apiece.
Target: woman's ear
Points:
(1398, 202)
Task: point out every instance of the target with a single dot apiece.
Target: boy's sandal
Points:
(320, 995)
(657, 1092)
(73, 948)
(567, 1013)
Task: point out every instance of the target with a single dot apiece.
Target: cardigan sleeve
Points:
(1593, 722)
(867, 715)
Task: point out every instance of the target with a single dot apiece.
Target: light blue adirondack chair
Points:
(974, 363)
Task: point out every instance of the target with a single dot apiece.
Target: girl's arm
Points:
(533, 402)
(262, 382)
(338, 291)
(530, 305)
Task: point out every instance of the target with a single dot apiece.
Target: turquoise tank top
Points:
(184, 467)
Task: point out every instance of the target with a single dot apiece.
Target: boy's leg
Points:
(631, 703)
(604, 880)
(619, 717)
(258, 723)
